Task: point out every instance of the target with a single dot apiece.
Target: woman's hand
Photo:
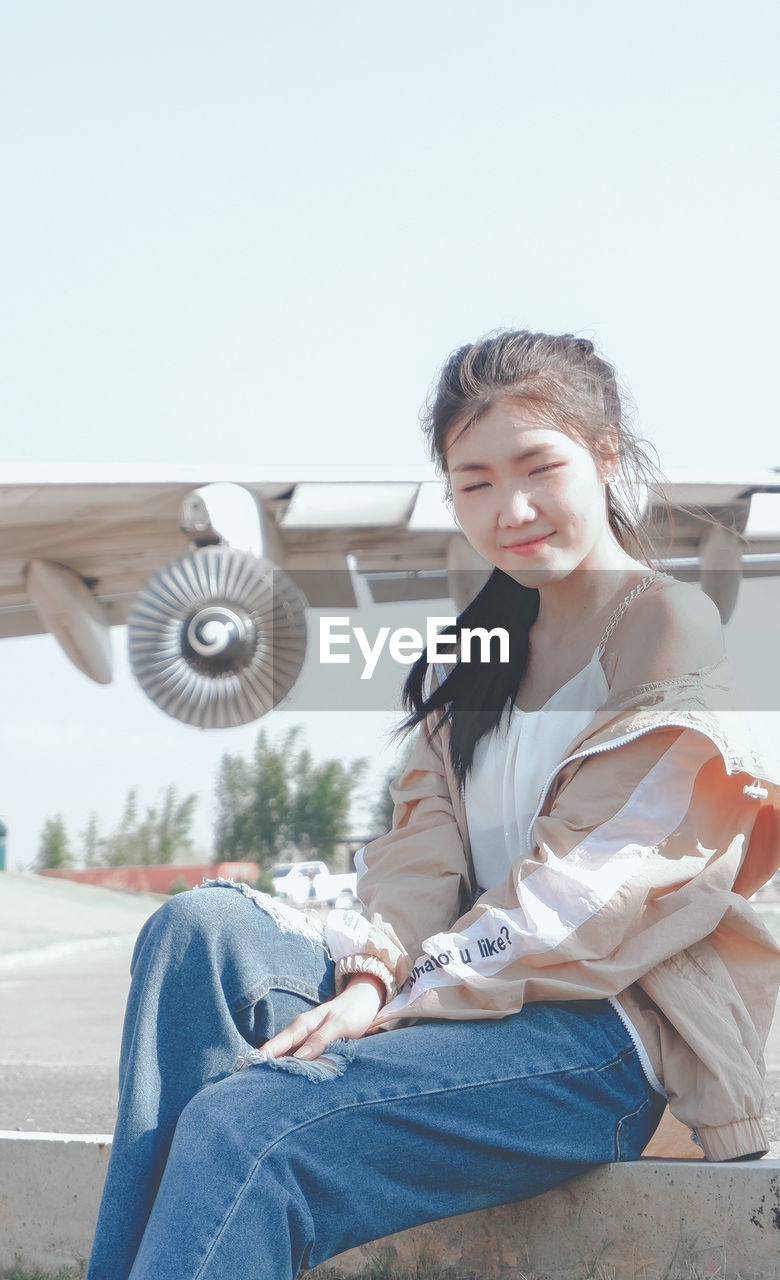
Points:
(349, 1014)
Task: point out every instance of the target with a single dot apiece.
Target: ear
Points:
(608, 454)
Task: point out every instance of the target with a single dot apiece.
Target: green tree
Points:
(54, 848)
(282, 801)
(91, 844)
(232, 828)
(160, 836)
(270, 808)
(321, 803)
(172, 825)
(121, 847)
(382, 812)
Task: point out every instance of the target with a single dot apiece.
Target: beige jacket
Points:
(653, 830)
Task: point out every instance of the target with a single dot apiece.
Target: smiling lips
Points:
(529, 546)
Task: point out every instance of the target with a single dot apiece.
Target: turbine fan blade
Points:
(218, 637)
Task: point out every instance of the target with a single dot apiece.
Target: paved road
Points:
(64, 972)
(61, 1011)
(61, 1019)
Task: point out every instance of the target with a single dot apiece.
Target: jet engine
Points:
(217, 638)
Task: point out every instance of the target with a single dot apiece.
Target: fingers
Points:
(296, 1033)
(315, 1044)
(349, 1014)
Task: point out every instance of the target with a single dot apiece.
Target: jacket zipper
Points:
(636, 1041)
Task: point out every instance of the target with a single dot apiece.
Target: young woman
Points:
(556, 937)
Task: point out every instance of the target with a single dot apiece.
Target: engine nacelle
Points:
(218, 637)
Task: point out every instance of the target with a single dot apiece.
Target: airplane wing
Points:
(114, 531)
(80, 550)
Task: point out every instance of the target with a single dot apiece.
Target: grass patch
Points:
(588, 1271)
(64, 1273)
(685, 1267)
(382, 1270)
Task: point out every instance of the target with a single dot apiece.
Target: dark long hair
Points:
(570, 387)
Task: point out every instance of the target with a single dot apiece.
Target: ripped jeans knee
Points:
(331, 1063)
(293, 920)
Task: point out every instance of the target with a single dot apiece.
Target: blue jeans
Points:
(224, 1166)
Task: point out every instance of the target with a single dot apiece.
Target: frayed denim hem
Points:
(287, 919)
(332, 1062)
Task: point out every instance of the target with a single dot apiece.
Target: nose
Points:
(516, 508)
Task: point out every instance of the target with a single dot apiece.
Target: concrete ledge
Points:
(648, 1220)
(50, 1185)
(645, 1220)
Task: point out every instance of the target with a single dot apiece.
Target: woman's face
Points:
(528, 497)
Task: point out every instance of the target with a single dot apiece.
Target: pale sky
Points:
(250, 233)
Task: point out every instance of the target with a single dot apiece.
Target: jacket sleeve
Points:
(413, 882)
(635, 857)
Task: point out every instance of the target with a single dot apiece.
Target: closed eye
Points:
(472, 488)
(551, 466)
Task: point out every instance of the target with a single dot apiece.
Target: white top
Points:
(512, 766)
(513, 763)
